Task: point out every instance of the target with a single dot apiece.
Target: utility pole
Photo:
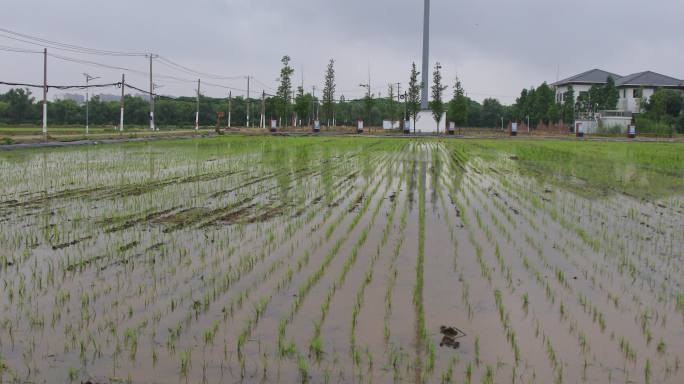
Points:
(45, 90)
(398, 102)
(248, 103)
(88, 78)
(152, 126)
(123, 89)
(370, 110)
(263, 109)
(230, 102)
(313, 102)
(197, 112)
(426, 56)
(405, 109)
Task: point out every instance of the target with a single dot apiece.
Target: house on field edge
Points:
(633, 91)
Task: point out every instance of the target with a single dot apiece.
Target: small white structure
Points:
(425, 123)
(611, 120)
(388, 124)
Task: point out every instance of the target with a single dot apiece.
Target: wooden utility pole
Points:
(123, 90)
(248, 103)
(197, 111)
(45, 90)
(151, 97)
(263, 109)
(230, 102)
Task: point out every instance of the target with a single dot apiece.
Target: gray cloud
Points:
(497, 47)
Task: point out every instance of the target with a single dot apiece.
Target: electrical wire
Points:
(63, 46)
(190, 71)
(61, 87)
(15, 49)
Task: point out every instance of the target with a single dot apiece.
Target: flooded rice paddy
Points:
(343, 261)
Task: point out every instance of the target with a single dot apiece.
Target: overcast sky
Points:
(496, 47)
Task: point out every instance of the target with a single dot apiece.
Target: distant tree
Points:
(568, 111)
(679, 123)
(554, 113)
(520, 106)
(285, 88)
(596, 98)
(413, 95)
(664, 104)
(474, 113)
(437, 105)
(20, 105)
(458, 106)
(542, 102)
(492, 112)
(368, 107)
(611, 95)
(303, 103)
(66, 112)
(4, 107)
(329, 92)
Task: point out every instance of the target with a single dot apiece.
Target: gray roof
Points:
(594, 76)
(649, 78)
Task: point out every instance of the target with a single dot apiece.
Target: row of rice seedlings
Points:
(423, 344)
(582, 338)
(395, 358)
(368, 277)
(598, 317)
(506, 273)
(261, 306)
(316, 343)
(284, 347)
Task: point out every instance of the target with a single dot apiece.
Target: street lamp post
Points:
(368, 95)
(88, 78)
(426, 55)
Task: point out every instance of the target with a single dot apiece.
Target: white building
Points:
(633, 88)
(633, 91)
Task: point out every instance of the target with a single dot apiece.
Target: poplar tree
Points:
(329, 92)
(285, 88)
(413, 95)
(437, 105)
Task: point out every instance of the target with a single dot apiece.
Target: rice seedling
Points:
(153, 251)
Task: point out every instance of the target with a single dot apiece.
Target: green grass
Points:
(644, 169)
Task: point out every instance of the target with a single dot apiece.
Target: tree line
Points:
(288, 106)
(298, 107)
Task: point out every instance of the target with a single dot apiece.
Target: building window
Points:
(624, 93)
(637, 93)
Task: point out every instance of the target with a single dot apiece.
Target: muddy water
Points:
(214, 260)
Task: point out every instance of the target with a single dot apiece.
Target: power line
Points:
(63, 46)
(264, 84)
(61, 87)
(191, 71)
(18, 50)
